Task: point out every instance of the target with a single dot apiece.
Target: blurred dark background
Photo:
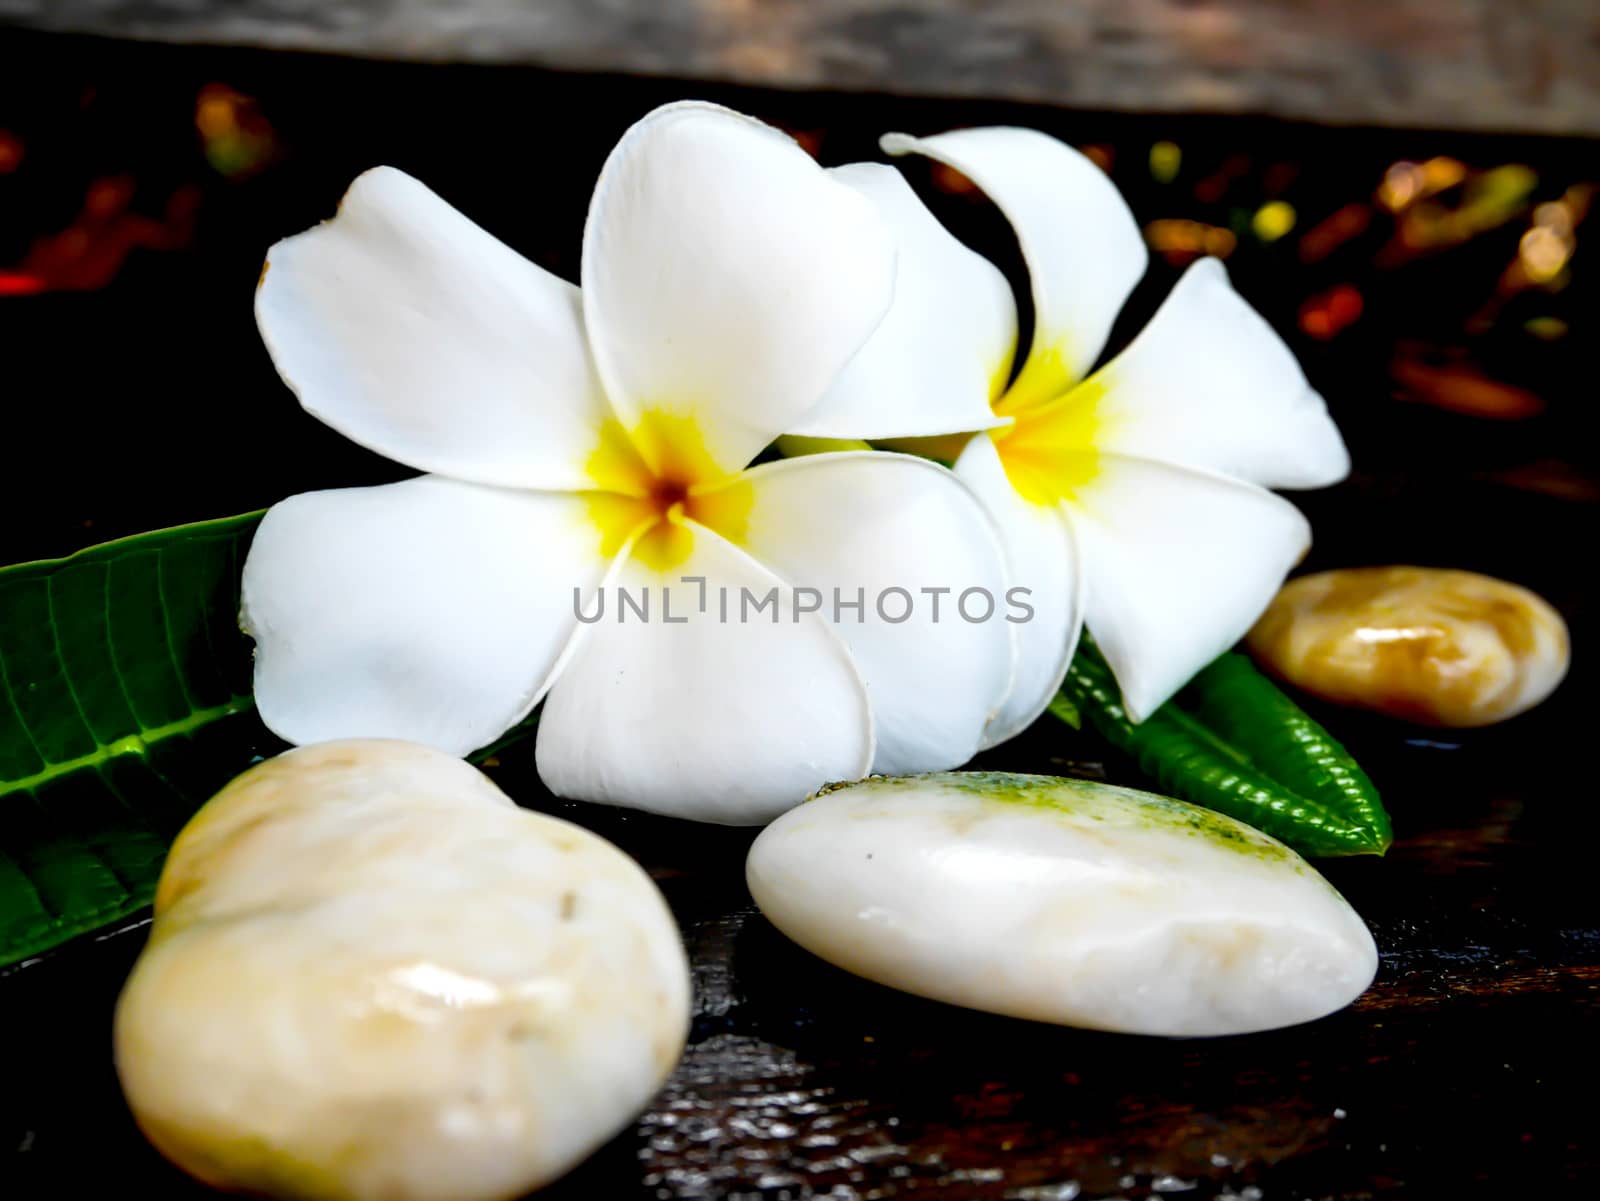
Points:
(1434, 283)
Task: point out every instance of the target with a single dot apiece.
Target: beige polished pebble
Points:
(1062, 901)
(1428, 645)
(372, 977)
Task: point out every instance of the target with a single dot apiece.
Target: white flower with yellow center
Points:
(1132, 499)
(602, 439)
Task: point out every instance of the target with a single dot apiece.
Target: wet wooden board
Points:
(1466, 1072)
(1470, 64)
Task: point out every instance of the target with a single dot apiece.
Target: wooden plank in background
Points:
(1532, 65)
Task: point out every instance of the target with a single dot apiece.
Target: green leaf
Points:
(1233, 742)
(1065, 708)
(124, 704)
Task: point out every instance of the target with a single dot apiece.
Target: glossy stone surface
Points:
(1427, 645)
(1062, 901)
(372, 976)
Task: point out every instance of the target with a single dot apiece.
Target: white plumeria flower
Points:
(600, 439)
(1132, 499)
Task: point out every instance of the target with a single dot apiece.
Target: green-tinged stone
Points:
(1061, 900)
(1233, 742)
(1094, 801)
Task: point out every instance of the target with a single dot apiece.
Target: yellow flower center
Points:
(653, 481)
(1049, 451)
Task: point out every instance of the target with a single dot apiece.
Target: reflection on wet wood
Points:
(804, 1082)
(1456, 1072)
(1575, 979)
(1448, 63)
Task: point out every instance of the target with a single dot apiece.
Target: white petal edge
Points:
(1042, 558)
(429, 610)
(731, 722)
(1209, 384)
(947, 341)
(1082, 245)
(412, 331)
(726, 277)
(1179, 565)
(853, 526)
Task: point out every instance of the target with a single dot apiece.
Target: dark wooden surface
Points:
(1466, 1072)
(1472, 64)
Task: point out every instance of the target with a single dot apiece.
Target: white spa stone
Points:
(371, 976)
(1062, 901)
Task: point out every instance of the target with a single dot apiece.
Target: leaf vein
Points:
(166, 630)
(133, 744)
(111, 645)
(16, 707)
(61, 658)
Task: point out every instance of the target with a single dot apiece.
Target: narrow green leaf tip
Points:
(1233, 742)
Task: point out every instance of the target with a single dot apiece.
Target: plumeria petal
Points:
(944, 349)
(1082, 244)
(729, 719)
(1180, 563)
(857, 526)
(413, 332)
(1208, 384)
(1042, 559)
(726, 278)
(428, 610)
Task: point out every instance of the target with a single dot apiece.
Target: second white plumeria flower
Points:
(1132, 500)
(602, 438)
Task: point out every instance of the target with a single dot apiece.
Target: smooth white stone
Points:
(1062, 901)
(371, 976)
